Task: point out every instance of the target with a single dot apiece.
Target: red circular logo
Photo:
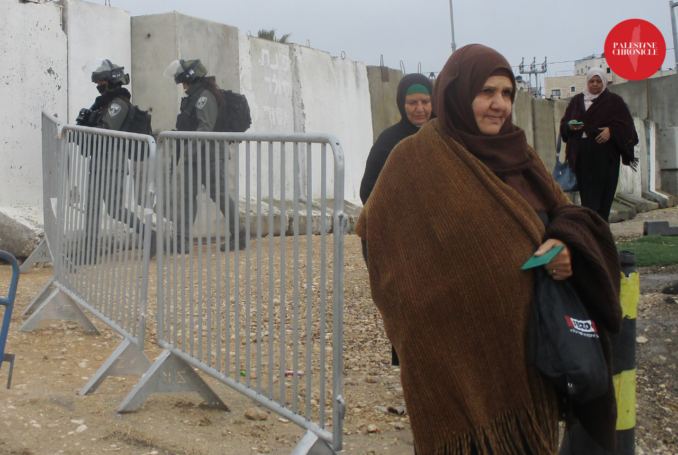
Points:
(635, 49)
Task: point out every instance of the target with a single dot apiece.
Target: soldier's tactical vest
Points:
(187, 120)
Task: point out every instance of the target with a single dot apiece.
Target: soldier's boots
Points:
(242, 242)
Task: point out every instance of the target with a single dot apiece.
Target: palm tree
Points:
(270, 35)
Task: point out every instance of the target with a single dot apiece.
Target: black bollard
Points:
(624, 363)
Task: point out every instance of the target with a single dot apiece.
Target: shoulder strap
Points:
(190, 101)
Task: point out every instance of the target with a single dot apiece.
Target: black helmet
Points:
(185, 71)
(103, 70)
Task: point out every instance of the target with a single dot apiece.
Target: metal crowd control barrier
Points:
(258, 320)
(101, 263)
(51, 133)
(8, 303)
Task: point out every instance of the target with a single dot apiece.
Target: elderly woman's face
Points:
(595, 85)
(492, 106)
(418, 108)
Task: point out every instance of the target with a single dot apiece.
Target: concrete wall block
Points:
(661, 95)
(624, 211)
(210, 229)
(661, 201)
(635, 94)
(159, 39)
(335, 95)
(112, 29)
(265, 210)
(654, 167)
(543, 112)
(640, 204)
(522, 115)
(670, 181)
(559, 109)
(316, 222)
(630, 181)
(267, 78)
(668, 148)
(215, 44)
(383, 95)
(154, 47)
(672, 199)
(20, 230)
(646, 133)
(34, 49)
(270, 87)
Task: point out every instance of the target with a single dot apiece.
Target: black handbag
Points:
(564, 340)
(562, 174)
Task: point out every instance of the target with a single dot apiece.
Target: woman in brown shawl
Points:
(457, 209)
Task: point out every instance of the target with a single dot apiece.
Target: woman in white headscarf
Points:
(599, 132)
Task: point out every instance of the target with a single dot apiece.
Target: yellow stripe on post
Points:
(625, 390)
(629, 295)
(625, 382)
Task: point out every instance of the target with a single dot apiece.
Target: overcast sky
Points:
(419, 31)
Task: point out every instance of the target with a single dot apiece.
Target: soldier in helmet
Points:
(199, 112)
(109, 111)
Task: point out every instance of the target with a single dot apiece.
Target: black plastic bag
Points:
(564, 341)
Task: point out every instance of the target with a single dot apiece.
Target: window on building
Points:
(555, 93)
(573, 89)
(608, 70)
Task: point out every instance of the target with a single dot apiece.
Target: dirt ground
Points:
(43, 414)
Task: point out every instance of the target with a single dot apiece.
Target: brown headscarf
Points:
(506, 153)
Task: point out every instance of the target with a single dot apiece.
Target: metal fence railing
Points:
(51, 133)
(101, 263)
(238, 296)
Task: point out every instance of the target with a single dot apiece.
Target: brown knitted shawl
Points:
(446, 239)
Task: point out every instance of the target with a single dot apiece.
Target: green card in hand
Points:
(536, 261)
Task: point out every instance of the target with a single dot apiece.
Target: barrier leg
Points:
(59, 306)
(169, 374)
(9, 358)
(39, 299)
(311, 444)
(125, 360)
(40, 254)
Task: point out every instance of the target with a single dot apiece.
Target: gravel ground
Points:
(632, 229)
(42, 414)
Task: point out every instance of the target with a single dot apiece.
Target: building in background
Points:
(565, 87)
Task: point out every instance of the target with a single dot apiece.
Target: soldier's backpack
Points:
(137, 121)
(235, 116)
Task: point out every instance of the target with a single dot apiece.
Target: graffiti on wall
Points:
(276, 77)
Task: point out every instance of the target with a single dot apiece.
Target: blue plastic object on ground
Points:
(8, 303)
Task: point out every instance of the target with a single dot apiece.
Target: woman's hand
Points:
(575, 127)
(560, 267)
(604, 136)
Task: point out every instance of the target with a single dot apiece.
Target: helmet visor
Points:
(102, 69)
(97, 65)
(98, 68)
(174, 69)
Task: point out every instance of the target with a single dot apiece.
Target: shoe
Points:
(182, 246)
(242, 242)
(154, 247)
